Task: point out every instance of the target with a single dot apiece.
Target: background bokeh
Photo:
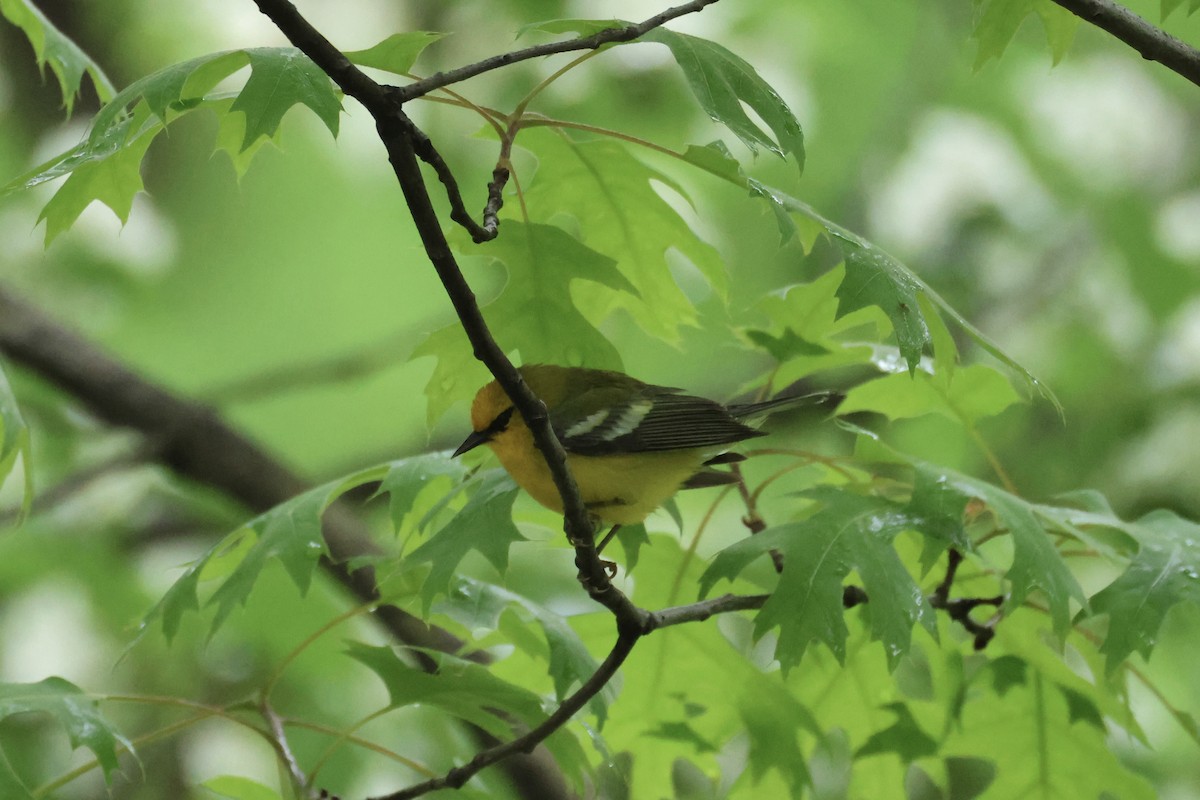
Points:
(1057, 207)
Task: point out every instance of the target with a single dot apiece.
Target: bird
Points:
(630, 445)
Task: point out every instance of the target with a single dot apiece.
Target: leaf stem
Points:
(275, 675)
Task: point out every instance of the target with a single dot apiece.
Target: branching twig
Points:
(1153, 43)
(280, 743)
(606, 36)
(753, 520)
(423, 147)
(525, 743)
(960, 609)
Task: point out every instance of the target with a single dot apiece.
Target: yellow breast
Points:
(620, 489)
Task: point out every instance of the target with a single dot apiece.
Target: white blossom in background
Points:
(957, 165)
(1106, 120)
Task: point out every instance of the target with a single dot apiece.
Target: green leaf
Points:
(716, 159)
(787, 345)
(998, 21)
(289, 534)
(875, 265)
(773, 719)
(397, 53)
(582, 27)
(875, 279)
(405, 479)
(945, 349)
(570, 663)
(234, 787)
(484, 524)
(11, 786)
(74, 710)
(632, 537)
(996, 24)
(51, 47)
(613, 197)
(1167, 6)
(178, 86)
(872, 264)
(939, 509)
(804, 334)
(534, 313)
(113, 181)
(722, 82)
(231, 133)
(1038, 751)
(462, 688)
(106, 166)
(1026, 644)
(14, 443)
(1164, 573)
(279, 79)
(470, 692)
(1060, 26)
(848, 532)
(974, 392)
(1036, 563)
(681, 731)
(1080, 708)
(968, 778)
(904, 737)
(688, 782)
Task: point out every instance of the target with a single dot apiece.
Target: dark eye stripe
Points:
(501, 421)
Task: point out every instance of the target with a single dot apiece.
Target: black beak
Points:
(474, 440)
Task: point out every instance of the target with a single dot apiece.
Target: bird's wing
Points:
(654, 418)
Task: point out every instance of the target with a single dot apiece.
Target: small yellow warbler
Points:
(630, 445)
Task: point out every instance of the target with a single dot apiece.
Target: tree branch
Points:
(606, 36)
(195, 443)
(399, 134)
(1152, 42)
(698, 612)
(526, 742)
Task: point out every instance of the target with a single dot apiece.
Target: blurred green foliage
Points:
(1053, 208)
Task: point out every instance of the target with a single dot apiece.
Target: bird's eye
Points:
(500, 423)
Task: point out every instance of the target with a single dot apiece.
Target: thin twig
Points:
(960, 610)
(596, 40)
(704, 609)
(280, 743)
(423, 146)
(753, 520)
(525, 743)
(1152, 42)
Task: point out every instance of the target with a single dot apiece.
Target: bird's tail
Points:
(746, 410)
